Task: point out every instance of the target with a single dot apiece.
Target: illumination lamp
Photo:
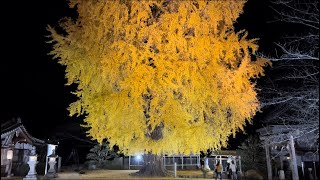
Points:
(9, 157)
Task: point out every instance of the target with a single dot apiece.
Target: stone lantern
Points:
(32, 174)
(310, 173)
(52, 161)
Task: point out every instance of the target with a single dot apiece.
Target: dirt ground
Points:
(120, 174)
(125, 174)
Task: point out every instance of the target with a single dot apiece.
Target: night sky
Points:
(34, 83)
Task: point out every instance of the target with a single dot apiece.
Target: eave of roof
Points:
(19, 126)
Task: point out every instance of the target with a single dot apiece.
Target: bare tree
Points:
(292, 97)
(305, 15)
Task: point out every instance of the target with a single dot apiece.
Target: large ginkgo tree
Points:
(159, 76)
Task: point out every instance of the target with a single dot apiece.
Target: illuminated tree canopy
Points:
(159, 76)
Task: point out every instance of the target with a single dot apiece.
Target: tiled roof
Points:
(13, 126)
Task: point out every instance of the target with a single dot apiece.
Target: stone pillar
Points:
(293, 160)
(268, 159)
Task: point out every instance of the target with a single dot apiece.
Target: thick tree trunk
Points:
(153, 166)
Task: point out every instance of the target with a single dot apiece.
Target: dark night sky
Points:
(36, 90)
(34, 83)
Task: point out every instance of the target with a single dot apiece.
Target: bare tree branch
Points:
(293, 94)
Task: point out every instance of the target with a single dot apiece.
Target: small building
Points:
(16, 139)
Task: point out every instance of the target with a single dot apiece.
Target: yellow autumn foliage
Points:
(160, 76)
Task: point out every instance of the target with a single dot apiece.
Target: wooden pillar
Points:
(268, 159)
(293, 160)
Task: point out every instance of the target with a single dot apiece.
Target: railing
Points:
(184, 162)
(168, 161)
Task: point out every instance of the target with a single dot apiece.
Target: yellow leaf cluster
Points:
(160, 76)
